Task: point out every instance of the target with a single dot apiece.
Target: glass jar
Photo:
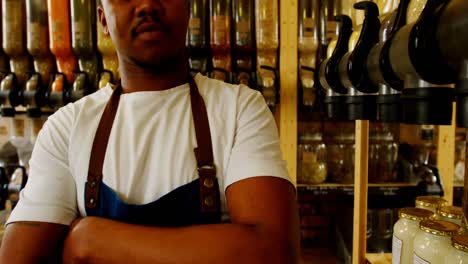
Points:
(312, 167)
(432, 243)
(383, 154)
(452, 214)
(341, 158)
(431, 203)
(404, 231)
(459, 252)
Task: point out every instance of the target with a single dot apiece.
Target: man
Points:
(153, 199)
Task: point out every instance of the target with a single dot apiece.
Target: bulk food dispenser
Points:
(308, 44)
(197, 37)
(243, 53)
(61, 48)
(353, 72)
(14, 45)
(110, 61)
(267, 37)
(83, 17)
(38, 47)
(221, 39)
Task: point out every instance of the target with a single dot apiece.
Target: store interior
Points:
(370, 100)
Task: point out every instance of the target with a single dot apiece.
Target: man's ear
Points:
(103, 20)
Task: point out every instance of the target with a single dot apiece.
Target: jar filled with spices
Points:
(312, 156)
(341, 157)
(383, 155)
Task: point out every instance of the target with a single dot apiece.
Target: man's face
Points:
(146, 32)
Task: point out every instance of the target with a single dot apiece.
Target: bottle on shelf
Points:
(459, 252)
(83, 17)
(404, 231)
(61, 47)
(110, 62)
(38, 47)
(221, 39)
(14, 45)
(267, 37)
(432, 243)
(244, 42)
(197, 37)
(308, 43)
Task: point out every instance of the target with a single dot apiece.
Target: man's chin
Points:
(155, 63)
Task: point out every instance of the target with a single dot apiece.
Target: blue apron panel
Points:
(181, 207)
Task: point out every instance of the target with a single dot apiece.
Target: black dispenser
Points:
(416, 59)
(328, 73)
(354, 75)
(243, 48)
(380, 69)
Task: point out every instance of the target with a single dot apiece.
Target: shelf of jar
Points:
(382, 195)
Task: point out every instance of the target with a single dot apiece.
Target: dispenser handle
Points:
(331, 69)
(369, 38)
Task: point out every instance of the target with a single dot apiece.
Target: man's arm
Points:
(32, 242)
(264, 229)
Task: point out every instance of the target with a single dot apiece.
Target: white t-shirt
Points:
(151, 147)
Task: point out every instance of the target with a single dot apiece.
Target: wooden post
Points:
(446, 157)
(288, 83)
(360, 191)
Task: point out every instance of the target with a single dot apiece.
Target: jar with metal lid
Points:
(432, 243)
(404, 231)
(312, 167)
(431, 203)
(452, 214)
(459, 252)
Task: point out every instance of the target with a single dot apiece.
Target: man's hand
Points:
(77, 243)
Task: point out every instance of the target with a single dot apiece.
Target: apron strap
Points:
(98, 151)
(209, 187)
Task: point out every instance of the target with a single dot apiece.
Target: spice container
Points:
(431, 203)
(312, 167)
(341, 158)
(404, 231)
(452, 214)
(383, 154)
(432, 243)
(459, 252)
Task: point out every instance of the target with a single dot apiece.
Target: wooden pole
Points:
(288, 83)
(360, 191)
(446, 157)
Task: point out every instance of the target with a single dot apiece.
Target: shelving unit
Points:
(288, 124)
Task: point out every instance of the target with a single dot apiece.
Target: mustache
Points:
(145, 19)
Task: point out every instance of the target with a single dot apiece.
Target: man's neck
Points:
(136, 79)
